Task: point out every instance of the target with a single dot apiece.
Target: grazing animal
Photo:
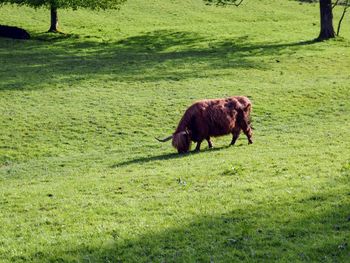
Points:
(13, 32)
(215, 117)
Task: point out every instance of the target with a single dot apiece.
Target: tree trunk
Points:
(54, 20)
(326, 15)
(342, 16)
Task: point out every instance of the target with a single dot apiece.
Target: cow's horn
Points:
(165, 139)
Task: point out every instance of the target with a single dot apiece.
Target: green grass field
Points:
(82, 178)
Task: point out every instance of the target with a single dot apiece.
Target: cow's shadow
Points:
(169, 156)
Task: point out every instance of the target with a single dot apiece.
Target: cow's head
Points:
(180, 140)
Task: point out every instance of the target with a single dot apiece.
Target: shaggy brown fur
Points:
(215, 117)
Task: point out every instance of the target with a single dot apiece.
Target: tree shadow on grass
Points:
(51, 38)
(279, 232)
(153, 56)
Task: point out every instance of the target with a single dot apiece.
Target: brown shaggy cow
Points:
(215, 117)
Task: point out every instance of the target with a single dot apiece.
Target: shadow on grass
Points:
(48, 37)
(170, 55)
(282, 232)
(141, 160)
(168, 156)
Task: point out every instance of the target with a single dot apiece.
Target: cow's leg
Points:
(235, 135)
(210, 145)
(244, 124)
(249, 133)
(198, 147)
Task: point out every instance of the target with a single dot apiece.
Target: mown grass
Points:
(83, 180)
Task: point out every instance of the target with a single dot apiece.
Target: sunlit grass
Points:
(83, 180)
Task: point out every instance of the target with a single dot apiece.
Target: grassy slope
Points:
(82, 179)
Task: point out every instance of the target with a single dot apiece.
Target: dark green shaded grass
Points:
(82, 178)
